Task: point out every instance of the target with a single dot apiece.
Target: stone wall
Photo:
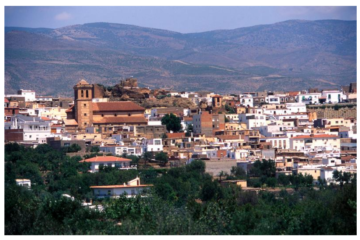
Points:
(333, 110)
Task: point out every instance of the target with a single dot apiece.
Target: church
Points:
(105, 117)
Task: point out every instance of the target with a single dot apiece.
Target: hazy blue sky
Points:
(180, 19)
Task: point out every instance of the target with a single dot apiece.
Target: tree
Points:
(210, 190)
(263, 168)
(238, 172)
(283, 179)
(222, 174)
(229, 109)
(164, 136)
(162, 158)
(189, 130)
(73, 148)
(95, 149)
(147, 156)
(196, 166)
(171, 122)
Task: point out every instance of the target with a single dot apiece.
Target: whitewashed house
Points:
(130, 189)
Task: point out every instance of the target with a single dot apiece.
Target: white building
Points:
(273, 99)
(153, 145)
(23, 182)
(28, 94)
(314, 141)
(238, 154)
(326, 173)
(121, 149)
(108, 161)
(252, 120)
(333, 96)
(277, 142)
(43, 98)
(34, 129)
(308, 98)
(246, 100)
(296, 107)
(130, 189)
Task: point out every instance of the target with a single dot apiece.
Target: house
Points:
(122, 149)
(23, 182)
(246, 100)
(326, 173)
(333, 96)
(153, 145)
(206, 123)
(273, 99)
(281, 142)
(308, 98)
(312, 141)
(238, 154)
(34, 129)
(252, 120)
(108, 161)
(28, 94)
(130, 189)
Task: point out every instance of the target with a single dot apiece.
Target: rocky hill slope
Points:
(288, 55)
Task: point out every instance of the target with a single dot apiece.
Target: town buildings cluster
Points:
(311, 131)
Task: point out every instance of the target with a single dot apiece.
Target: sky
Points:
(179, 19)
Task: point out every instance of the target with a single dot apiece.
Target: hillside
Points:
(288, 55)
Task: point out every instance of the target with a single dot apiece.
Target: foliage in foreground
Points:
(183, 201)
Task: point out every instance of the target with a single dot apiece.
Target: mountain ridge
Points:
(295, 50)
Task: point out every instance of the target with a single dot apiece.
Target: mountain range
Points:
(290, 55)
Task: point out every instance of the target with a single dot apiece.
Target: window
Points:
(85, 123)
(129, 114)
(329, 96)
(82, 93)
(87, 93)
(85, 114)
(115, 115)
(102, 115)
(84, 104)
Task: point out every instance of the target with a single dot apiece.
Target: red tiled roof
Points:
(106, 159)
(70, 109)
(347, 158)
(70, 122)
(176, 135)
(316, 136)
(188, 118)
(123, 106)
(218, 96)
(6, 100)
(122, 186)
(293, 94)
(119, 120)
(45, 118)
(229, 137)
